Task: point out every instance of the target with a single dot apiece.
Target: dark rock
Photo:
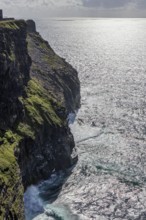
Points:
(31, 26)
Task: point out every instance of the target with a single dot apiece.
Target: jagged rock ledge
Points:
(37, 91)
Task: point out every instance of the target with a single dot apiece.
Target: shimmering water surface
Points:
(109, 181)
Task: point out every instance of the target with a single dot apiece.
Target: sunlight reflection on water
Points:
(110, 56)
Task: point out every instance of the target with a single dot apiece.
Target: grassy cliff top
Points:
(12, 24)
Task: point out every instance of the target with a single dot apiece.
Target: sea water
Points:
(109, 180)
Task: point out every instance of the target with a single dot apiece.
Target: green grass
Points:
(39, 106)
(9, 173)
(9, 181)
(9, 141)
(12, 24)
(24, 130)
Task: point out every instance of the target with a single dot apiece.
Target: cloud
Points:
(112, 4)
(41, 8)
(46, 8)
(105, 3)
(141, 4)
(39, 3)
(74, 3)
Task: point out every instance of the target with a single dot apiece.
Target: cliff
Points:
(37, 91)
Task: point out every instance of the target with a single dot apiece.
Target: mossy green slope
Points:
(11, 24)
(40, 108)
(10, 181)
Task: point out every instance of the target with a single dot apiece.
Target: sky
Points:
(73, 8)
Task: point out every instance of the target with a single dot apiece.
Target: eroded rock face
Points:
(14, 75)
(14, 71)
(57, 76)
(37, 91)
(53, 147)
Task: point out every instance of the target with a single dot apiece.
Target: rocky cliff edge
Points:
(38, 89)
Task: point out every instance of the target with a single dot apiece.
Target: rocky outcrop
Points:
(31, 26)
(37, 91)
(55, 73)
(14, 71)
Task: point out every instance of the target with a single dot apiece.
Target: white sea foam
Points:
(35, 198)
(71, 117)
(33, 203)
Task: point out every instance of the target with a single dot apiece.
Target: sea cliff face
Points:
(38, 89)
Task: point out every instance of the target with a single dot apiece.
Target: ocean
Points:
(109, 180)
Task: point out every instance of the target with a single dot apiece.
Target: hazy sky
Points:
(63, 8)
